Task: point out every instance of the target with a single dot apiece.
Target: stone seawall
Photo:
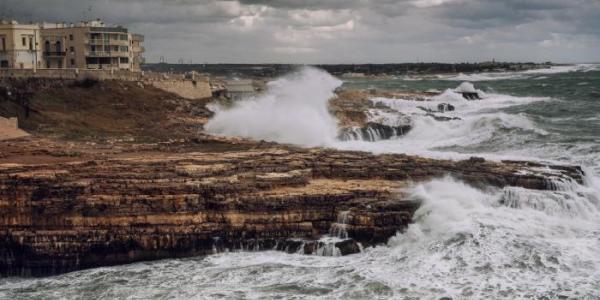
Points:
(188, 89)
(9, 129)
(74, 74)
(10, 123)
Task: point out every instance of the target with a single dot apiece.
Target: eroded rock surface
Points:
(62, 210)
(360, 119)
(69, 204)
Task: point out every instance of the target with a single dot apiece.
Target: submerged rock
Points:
(372, 132)
(442, 118)
(468, 91)
(444, 107)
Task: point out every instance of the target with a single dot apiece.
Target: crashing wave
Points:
(381, 124)
(292, 110)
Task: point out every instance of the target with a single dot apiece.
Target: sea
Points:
(464, 242)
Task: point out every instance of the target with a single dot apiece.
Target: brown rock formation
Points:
(106, 206)
(67, 204)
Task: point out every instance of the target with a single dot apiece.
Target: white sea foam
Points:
(489, 76)
(476, 122)
(292, 110)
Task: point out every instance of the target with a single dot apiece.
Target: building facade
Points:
(19, 46)
(85, 45)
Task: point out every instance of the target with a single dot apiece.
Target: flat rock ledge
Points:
(171, 200)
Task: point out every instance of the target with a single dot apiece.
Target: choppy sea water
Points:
(465, 243)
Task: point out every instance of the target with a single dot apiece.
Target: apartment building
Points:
(18, 45)
(85, 45)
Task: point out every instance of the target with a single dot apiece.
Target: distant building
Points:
(18, 45)
(85, 45)
(239, 89)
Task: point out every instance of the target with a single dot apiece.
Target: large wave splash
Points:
(505, 243)
(292, 110)
(478, 126)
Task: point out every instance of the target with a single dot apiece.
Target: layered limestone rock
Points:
(126, 203)
(360, 119)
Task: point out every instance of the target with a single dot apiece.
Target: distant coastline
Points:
(395, 69)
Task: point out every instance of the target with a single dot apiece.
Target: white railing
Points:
(107, 53)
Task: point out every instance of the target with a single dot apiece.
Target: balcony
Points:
(55, 53)
(97, 41)
(108, 42)
(107, 53)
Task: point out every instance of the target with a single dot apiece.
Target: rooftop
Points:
(97, 25)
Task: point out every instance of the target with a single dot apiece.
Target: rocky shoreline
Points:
(71, 204)
(175, 200)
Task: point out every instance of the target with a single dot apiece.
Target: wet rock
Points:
(347, 247)
(128, 203)
(372, 132)
(444, 107)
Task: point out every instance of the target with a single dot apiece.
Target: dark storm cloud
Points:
(494, 13)
(342, 30)
(308, 4)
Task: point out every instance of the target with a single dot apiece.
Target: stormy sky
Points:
(342, 31)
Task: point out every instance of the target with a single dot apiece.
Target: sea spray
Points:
(292, 110)
(499, 249)
(473, 126)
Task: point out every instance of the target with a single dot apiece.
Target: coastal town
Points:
(108, 158)
(82, 45)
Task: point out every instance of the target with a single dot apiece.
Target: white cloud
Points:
(429, 3)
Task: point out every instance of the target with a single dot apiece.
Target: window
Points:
(24, 39)
(72, 62)
(72, 49)
(48, 64)
(123, 37)
(31, 43)
(123, 49)
(4, 64)
(3, 43)
(70, 37)
(124, 60)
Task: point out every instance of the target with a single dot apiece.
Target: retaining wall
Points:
(9, 123)
(188, 89)
(72, 74)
